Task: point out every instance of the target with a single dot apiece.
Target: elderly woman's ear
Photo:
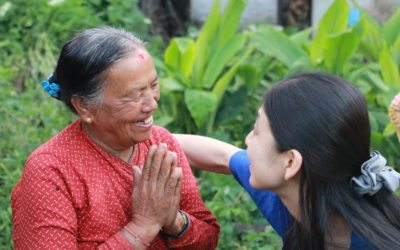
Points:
(82, 109)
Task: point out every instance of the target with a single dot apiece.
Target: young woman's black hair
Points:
(326, 119)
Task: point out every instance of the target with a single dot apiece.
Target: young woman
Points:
(309, 168)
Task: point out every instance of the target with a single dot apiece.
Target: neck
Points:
(124, 154)
(289, 195)
(338, 235)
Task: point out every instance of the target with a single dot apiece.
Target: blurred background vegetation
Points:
(212, 78)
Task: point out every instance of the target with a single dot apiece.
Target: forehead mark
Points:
(142, 56)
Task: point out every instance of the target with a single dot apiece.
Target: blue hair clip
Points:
(52, 88)
(354, 17)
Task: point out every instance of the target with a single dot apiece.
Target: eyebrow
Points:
(155, 79)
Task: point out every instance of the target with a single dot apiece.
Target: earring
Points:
(88, 120)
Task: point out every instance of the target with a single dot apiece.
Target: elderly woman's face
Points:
(130, 98)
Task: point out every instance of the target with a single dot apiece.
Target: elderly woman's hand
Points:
(157, 188)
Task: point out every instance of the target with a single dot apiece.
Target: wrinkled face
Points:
(267, 164)
(129, 100)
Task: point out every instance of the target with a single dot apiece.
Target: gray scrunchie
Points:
(374, 175)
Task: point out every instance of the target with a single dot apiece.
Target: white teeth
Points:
(146, 122)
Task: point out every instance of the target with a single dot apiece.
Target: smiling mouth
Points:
(145, 123)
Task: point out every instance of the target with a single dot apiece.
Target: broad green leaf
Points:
(207, 33)
(389, 130)
(389, 69)
(377, 138)
(356, 74)
(170, 84)
(382, 100)
(164, 120)
(230, 21)
(375, 79)
(187, 49)
(391, 28)
(337, 50)
(200, 104)
(334, 21)
(372, 40)
(223, 82)
(381, 117)
(301, 65)
(221, 58)
(395, 51)
(301, 37)
(180, 55)
(175, 73)
(250, 74)
(172, 54)
(363, 85)
(232, 106)
(275, 43)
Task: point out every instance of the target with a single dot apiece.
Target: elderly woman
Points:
(111, 179)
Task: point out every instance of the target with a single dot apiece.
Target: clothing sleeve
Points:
(267, 202)
(358, 243)
(44, 216)
(204, 229)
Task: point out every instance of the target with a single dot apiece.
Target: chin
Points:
(253, 183)
(141, 137)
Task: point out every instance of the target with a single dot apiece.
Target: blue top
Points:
(270, 204)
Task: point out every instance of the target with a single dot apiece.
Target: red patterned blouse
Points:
(75, 195)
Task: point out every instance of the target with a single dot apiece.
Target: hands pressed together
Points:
(155, 197)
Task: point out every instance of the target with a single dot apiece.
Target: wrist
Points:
(145, 233)
(180, 226)
(176, 226)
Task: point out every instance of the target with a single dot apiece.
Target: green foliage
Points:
(200, 70)
(31, 33)
(363, 53)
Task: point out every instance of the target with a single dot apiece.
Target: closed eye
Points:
(154, 85)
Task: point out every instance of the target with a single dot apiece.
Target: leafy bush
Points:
(32, 33)
(199, 71)
(364, 52)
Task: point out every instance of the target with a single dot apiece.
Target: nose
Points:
(248, 138)
(151, 104)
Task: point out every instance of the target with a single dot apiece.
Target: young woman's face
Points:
(129, 100)
(267, 164)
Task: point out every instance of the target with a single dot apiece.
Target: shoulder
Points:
(71, 139)
(162, 135)
(239, 164)
(59, 150)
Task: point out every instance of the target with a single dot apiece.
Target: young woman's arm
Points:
(206, 153)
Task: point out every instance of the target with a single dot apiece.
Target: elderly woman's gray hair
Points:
(85, 59)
